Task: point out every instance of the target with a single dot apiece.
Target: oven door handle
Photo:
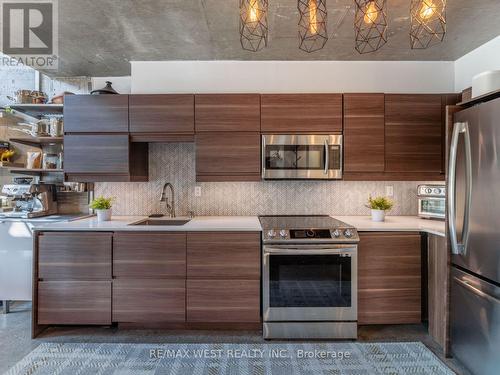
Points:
(346, 251)
(327, 157)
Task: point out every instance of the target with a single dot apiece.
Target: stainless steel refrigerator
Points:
(474, 228)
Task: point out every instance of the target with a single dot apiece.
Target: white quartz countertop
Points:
(395, 224)
(122, 223)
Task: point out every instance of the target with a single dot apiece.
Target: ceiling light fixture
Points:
(253, 24)
(428, 23)
(370, 25)
(312, 25)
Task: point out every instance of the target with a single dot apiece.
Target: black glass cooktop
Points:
(296, 222)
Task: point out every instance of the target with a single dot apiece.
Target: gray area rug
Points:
(213, 359)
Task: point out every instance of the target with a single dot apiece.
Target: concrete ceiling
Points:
(100, 37)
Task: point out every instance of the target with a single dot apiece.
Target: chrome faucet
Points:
(170, 206)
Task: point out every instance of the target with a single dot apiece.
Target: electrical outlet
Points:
(389, 191)
(197, 191)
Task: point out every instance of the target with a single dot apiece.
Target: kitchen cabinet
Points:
(96, 114)
(437, 289)
(74, 256)
(389, 278)
(149, 300)
(414, 129)
(364, 133)
(228, 156)
(227, 112)
(74, 302)
(223, 255)
(223, 277)
(104, 158)
(301, 113)
(161, 118)
(149, 255)
(223, 301)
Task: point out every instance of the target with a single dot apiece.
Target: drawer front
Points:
(74, 302)
(389, 306)
(94, 154)
(149, 300)
(74, 256)
(149, 255)
(219, 255)
(162, 113)
(95, 113)
(230, 301)
(227, 112)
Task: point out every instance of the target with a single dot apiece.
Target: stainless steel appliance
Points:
(295, 157)
(309, 277)
(474, 221)
(31, 201)
(432, 201)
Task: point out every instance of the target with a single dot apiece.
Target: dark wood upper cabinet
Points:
(414, 128)
(157, 118)
(231, 156)
(96, 114)
(364, 139)
(306, 113)
(104, 158)
(227, 112)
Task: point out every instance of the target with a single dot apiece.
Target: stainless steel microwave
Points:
(301, 157)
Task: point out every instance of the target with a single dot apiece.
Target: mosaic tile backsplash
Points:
(175, 163)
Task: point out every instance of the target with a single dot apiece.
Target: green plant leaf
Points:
(379, 203)
(101, 203)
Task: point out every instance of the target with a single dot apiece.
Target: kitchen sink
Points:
(162, 222)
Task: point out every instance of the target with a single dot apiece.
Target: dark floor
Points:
(16, 342)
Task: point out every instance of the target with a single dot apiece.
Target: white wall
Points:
(483, 58)
(292, 76)
(120, 84)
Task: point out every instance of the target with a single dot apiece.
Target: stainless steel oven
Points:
(295, 156)
(310, 291)
(432, 201)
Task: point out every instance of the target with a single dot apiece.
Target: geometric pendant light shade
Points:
(253, 24)
(370, 25)
(312, 25)
(428, 23)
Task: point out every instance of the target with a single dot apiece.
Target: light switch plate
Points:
(389, 191)
(197, 191)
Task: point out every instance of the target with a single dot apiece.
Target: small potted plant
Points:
(102, 206)
(379, 205)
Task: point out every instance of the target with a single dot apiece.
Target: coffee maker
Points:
(31, 201)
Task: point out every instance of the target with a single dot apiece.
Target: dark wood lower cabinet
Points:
(74, 302)
(437, 288)
(389, 281)
(217, 301)
(155, 300)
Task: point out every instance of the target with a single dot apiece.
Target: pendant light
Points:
(312, 25)
(370, 25)
(253, 24)
(428, 23)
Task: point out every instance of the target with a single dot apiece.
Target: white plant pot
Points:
(378, 215)
(103, 215)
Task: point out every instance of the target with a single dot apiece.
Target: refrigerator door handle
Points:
(475, 290)
(456, 246)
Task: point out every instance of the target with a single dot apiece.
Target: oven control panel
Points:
(330, 235)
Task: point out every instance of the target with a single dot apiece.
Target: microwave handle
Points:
(263, 158)
(327, 157)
